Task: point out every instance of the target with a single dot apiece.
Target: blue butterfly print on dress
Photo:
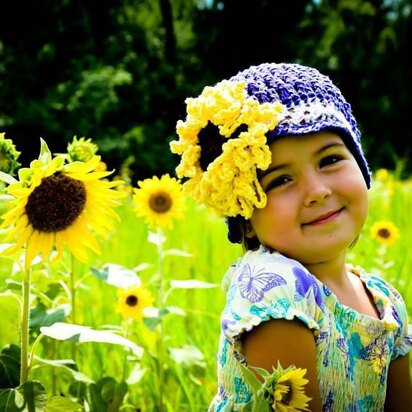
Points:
(304, 282)
(253, 286)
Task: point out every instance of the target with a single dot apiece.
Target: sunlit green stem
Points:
(33, 349)
(72, 286)
(126, 335)
(24, 330)
(160, 346)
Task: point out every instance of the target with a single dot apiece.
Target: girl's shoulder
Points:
(378, 285)
(387, 298)
(263, 285)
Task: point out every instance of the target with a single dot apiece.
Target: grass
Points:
(190, 337)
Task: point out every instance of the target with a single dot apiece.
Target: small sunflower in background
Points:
(382, 175)
(57, 204)
(385, 232)
(132, 301)
(8, 156)
(81, 150)
(159, 201)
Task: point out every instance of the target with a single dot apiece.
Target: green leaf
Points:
(60, 403)
(136, 374)
(45, 154)
(29, 397)
(5, 177)
(152, 323)
(117, 275)
(112, 393)
(78, 333)
(25, 174)
(94, 398)
(156, 238)
(188, 355)
(176, 252)
(9, 367)
(41, 316)
(67, 365)
(191, 284)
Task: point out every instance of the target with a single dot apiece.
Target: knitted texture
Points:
(312, 104)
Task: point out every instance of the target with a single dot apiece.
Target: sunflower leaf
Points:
(68, 365)
(30, 396)
(9, 366)
(78, 333)
(156, 238)
(45, 154)
(5, 177)
(61, 403)
(117, 275)
(176, 252)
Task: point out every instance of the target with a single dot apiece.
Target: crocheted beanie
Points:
(312, 104)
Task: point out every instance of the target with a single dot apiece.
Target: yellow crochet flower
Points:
(222, 143)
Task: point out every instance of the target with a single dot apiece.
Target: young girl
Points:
(276, 150)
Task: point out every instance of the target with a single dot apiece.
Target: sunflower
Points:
(289, 394)
(159, 201)
(8, 155)
(81, 150)
(132, 301)
(385, 232)
(382, 175)
(57, 204)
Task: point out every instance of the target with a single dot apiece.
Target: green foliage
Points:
(120, 74)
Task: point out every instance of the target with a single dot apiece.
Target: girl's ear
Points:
(249, 231)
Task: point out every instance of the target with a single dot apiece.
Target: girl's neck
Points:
(331, 272)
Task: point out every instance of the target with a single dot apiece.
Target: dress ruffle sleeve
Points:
(267, 286)
(403, 336)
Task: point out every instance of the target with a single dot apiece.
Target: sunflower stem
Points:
(25, 318)
(126, 335)
(160, 347)
(73, 303)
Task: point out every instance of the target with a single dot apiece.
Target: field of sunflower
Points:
(116, 303)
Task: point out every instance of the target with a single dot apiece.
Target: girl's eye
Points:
(278, 181)
(329, 160)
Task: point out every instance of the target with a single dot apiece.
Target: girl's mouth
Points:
(324, 218)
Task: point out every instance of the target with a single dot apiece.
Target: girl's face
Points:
(317, 199)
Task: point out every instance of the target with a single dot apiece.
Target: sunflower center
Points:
(132, 300)
(287, 396)
(56, 203)
(384, 233)
(160, 202)
(211, 143)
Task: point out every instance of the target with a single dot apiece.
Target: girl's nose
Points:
(316, 190)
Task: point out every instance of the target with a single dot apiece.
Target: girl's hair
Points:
(238, 229)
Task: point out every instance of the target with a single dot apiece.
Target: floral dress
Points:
(353, 350)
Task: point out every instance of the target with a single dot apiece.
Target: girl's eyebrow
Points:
(263, 173)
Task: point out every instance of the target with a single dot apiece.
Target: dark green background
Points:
(118, 71)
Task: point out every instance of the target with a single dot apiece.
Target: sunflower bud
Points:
(81, 150)
(8, 155)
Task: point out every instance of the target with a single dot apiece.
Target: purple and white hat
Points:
(312, 103)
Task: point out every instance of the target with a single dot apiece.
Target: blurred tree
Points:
(119, 73)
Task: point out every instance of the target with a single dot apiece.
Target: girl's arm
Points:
(291, 343)
(399, 391)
